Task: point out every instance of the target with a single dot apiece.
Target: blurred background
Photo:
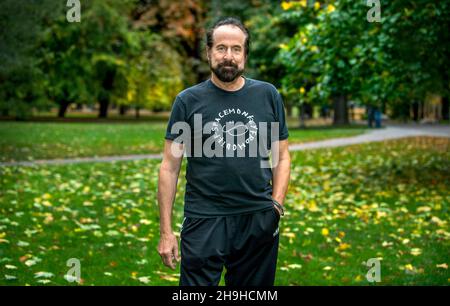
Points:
(84, 107)
(128, 59)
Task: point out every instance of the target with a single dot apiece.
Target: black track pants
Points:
(247, 245)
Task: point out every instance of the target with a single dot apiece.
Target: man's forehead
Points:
(229, 34)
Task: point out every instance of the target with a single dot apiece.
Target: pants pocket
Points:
(187, 222)
(277, 214)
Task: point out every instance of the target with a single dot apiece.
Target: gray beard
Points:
(226, 74)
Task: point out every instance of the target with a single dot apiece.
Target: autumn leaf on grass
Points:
(416, 251)
(422, 209)
(142, 262)
(145, 221)
(169, 278)
(10, 277)
(438, 221)
(32, 261)
(386, 244)
(43, 274)
(3, 235)
(343, 246)
(144, 279)
(410, 269)
(290, 235)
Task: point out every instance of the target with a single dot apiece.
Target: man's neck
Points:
(237, 84)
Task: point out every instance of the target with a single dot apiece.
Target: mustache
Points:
(227, 64)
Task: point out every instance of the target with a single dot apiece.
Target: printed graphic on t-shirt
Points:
(235, 125)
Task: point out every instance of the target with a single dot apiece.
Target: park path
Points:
(390, 132)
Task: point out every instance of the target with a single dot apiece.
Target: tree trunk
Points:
(63, 106)
(445, 108)
(340, 110)
(421, 110)
(309, 110)
(289, 109)
(123, 110)
(370, 116)
(137, 112)
(103, 112)
(301, 115)
(415, 111)
(104, 96)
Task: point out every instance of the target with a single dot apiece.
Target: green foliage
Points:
(102, 58)
(336, 51)
(21, 83)
(142, 54)
(268, 31)
(155, 75)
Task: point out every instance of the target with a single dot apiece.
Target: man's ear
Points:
(207, 53)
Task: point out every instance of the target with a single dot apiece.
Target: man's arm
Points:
(281, 172)
(167, 188)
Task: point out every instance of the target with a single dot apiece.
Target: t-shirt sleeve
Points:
(178, 114)
(281, 117)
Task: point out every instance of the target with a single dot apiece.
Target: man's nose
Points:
(228, 54)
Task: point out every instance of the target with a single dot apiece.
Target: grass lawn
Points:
(31, 140)
(345, 205)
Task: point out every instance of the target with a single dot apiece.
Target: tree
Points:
(337, 54)
(21, 82)
(181, 25)
(155, 76)
(321, 55)
(105, 59)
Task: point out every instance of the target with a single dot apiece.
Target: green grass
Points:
(93, 116)
(346, 205)
(381, 200)
(32, 140)
(28, 141)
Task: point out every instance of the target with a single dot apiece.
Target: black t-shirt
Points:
(222, 185)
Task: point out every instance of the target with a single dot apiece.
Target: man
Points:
(233, 202)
